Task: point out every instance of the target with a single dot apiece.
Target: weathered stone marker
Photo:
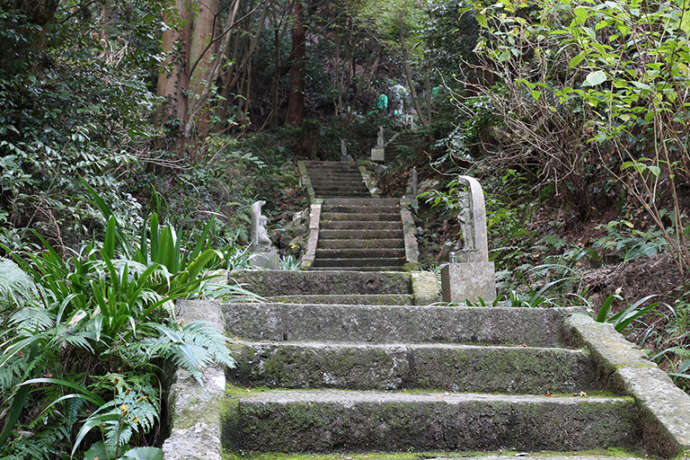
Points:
(474, 276)
(264, 255)
(378, 153)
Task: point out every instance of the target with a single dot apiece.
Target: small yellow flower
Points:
(124, 409)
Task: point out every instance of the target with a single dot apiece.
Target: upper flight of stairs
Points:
(356, 231)
(336, 179)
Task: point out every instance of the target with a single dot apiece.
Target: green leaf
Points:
(654, 170)
(581, 15)
(575, 60)
(143, 453)
(481, 20)
(595, 78)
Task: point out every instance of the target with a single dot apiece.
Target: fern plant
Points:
(87, 335)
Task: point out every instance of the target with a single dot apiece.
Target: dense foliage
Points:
(119, 116)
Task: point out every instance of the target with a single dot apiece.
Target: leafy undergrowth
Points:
(90, 340)
(547, 254)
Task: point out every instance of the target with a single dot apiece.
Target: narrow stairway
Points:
(357, 232)
(340, 359)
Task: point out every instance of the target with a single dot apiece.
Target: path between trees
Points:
(348, 357)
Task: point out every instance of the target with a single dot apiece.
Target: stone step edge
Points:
(386, 323)
(345, 299)
(369, 420)
(401, 366)
(665, 408)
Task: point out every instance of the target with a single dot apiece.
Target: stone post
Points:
(378, 152)
(474, 277)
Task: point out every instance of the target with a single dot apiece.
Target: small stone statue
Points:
(465, 218)
(259, 234)
(344, 156)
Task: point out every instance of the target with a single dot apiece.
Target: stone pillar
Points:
(378, 153)
(468, 281)
(474, 277)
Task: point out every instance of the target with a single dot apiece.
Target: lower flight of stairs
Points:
(328, 365)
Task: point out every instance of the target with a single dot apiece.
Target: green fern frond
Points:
(30, 320)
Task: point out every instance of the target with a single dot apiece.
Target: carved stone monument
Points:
(378, 153)
(474, 276)
(263, 254)
(344, 156)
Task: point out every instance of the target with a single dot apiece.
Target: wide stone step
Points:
(283, 282)
(359, 234)
(361, 209)
(343, 299)
(328, 194)
(536, 327)
(335, 420)
(332, 216)
(324, 182)
(339, 189)
(355, 178)
(384, 253)
(459, 368)
(315, 175)
(394, 268)
(360, 244)
(359, 202)
(358, 262)
(360, 225)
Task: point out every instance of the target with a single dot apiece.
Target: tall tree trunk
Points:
(173, 78)
(408, 71)
(276, 79)
(295, 111)
(201, 52)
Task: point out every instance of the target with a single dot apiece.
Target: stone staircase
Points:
(356, 231)
(364, 234)
(348, 376)
(338, 359)
(336, 179)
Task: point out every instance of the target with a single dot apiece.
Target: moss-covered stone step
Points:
(398, 243)
(393, 324)
(358, 202)
(361, 209)
(360, 234)
(352, 299)
(397, 268)
(458, 368)
(331, 420)
(327, 194)
(613, 453)
(358, 262)
(281, 282)
(361, 225)
(380, 217)
(386, 253)
(338, 180)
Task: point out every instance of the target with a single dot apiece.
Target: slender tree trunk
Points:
(276, 80)
(173, 78)
(408, 71)
(204, 28)
(295, 111)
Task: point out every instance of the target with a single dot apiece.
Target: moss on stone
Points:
(613, 452)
